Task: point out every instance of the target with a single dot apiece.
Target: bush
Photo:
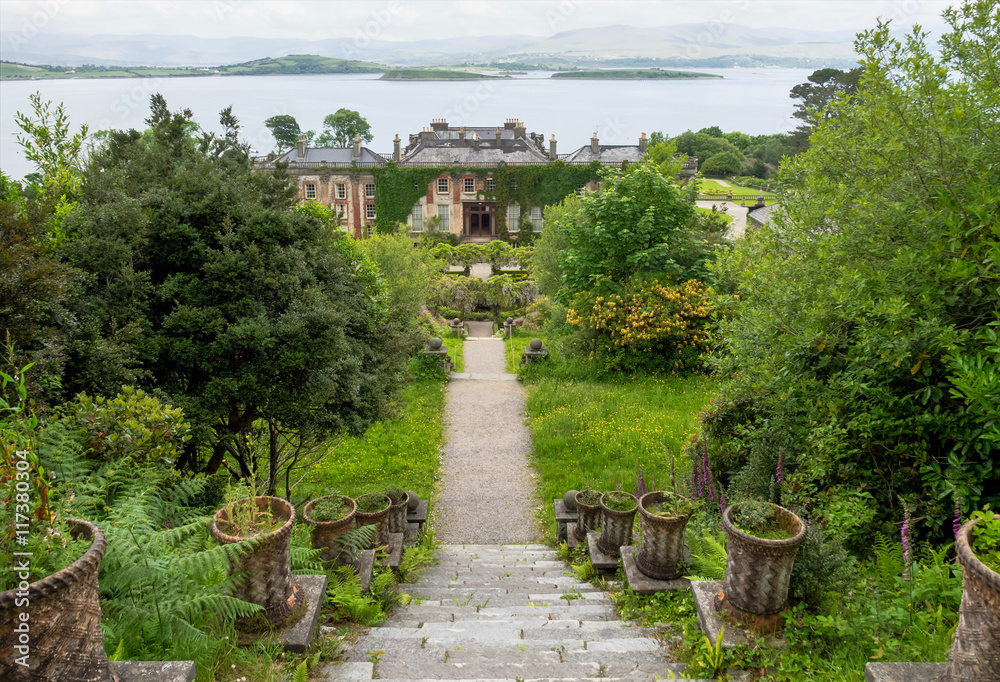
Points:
(131, 425)
(651, 325)
(862, 336)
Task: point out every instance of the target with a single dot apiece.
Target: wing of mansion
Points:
(463, 180)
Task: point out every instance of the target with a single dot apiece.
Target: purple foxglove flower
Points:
(956, 524)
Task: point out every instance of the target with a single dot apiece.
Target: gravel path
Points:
(487, 494)
(739, 214)
(481, 330)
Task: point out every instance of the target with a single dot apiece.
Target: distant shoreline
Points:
(632, 74)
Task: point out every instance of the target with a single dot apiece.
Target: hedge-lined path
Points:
(491, 609)
(486, 491)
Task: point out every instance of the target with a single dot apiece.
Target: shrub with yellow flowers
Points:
(651, 325)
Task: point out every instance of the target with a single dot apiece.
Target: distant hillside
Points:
(292, 64)
(632, 74)
(300, 63)
(433, 75)
(680, 45)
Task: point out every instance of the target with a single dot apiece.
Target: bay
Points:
(754, 101)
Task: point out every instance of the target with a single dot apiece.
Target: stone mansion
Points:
(342, 177)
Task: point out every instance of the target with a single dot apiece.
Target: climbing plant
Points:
(398, 189)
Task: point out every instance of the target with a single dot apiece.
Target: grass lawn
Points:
(593, 433)
(515, 349)
(402, 452)
(725, 216)
(709, 184)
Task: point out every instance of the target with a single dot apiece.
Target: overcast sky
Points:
(411, 19)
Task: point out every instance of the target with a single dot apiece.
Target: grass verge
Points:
(597, 433)
(403, 452)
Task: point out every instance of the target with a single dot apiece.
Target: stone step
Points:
(502, 570)
(427, 612)
(494, 584)
(610, 639)
(472, 595)
(498, 561)
(491, 663)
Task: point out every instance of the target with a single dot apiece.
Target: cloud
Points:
(414, 19)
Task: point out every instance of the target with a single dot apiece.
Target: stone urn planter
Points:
(324, 534)
(268, 564)
(975, 649)
(616, 525)
(397, 514)
(588, 516)
(379, 519)
(662, 538)
(758, 569)
(64, 642)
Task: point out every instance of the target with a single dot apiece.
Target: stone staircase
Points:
(510, 612)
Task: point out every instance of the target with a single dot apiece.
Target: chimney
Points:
(510, 123)
(595, 148)
(760, 202)
(461, 136)
(518, 129)
(642, 143)
(300, 147)
(395, 148)
(552, 149)
(439, 124)
(498, 137)
(477, 141)
(426, 134)
(357, 147)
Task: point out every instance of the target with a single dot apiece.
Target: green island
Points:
(632, 74)
(281, 66)
(431, 74)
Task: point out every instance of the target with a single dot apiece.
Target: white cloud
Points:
(411, 19)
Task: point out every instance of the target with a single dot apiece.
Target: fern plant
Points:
(164, 581)
(887, 561)
(708, 555)
(344, 594)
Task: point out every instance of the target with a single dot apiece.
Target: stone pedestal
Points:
(442, 356)
(153, 671)
(571, 541)
(563, 516)
(296, 635)
(418, 515)
(903, 672)
(705, 593)
(598, 559)
(364, 565)
(395, 551)
(534, 352)
(643, 584)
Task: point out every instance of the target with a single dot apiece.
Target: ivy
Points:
(398, 189)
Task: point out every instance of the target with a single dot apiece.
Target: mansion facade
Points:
(342, 177)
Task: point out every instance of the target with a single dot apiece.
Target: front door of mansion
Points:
(480, 219)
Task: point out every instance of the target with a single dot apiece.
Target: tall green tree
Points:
(824, 86)
(340, 128)
(638, 221)
(285, 130)
(863, 339)
(238, 307)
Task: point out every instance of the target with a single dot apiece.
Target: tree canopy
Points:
(285, 130)
(205, 284)
(637, 221)
(863, 339)
(340, 128)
